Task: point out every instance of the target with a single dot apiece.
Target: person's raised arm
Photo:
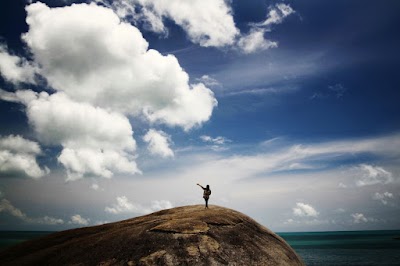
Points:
(200, 185)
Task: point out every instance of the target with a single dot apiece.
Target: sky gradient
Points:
(289, 110)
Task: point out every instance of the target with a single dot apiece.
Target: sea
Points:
(363, 248)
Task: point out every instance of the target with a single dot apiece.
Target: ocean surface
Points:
(346, 248)
(361, 248)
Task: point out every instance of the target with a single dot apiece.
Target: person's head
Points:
(208, 187)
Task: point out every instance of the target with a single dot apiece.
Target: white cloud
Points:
(96, 187)
(15, 69)
(372, 175)
(304, 210)
(255, 41)
(289, 221)
(101, 222)
(95, 142)
(18, 156)
(359, 218)
(78, 219)
(158, 143)
(217, 143)
(49, 220)
(82, 162)
(383, 197)
(276, 15)
(20, 96)
(157, 205)
(340, 210)
(123, 205)
(217, 140)
(290, 158)
(15, 143)
(209, 81)
(206, 22)
(7, 207)
(107, 63)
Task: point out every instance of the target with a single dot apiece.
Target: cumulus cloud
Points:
(18, 157)
(383, 197)
(95, 142)
(102, 71)
(15, 69)
(158, 143)
(304, 210)
(107, 63)
(78, 219)
(372, 175)
(7, 207)
(123, 205)
(95, 162)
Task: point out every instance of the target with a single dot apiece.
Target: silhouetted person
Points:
(206, 193)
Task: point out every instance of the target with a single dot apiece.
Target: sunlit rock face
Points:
(189, 235)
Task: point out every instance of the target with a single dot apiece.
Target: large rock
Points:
(189, 235)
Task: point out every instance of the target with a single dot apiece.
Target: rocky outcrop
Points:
(189, 235)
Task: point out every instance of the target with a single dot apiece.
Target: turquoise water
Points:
(346, 248)
(358, 248)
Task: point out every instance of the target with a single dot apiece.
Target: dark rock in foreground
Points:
(189, 235)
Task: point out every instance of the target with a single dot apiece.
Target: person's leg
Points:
(207, 203)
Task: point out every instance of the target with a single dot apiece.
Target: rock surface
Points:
(189, 235)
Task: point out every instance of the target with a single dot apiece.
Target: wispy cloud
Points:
(372, 175)
(209, 81)
(262, 91)
(7, 207)
(314, 156)
(337, 91)
(217, 143)
(255, 40)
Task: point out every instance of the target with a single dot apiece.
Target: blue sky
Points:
(113, 109)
